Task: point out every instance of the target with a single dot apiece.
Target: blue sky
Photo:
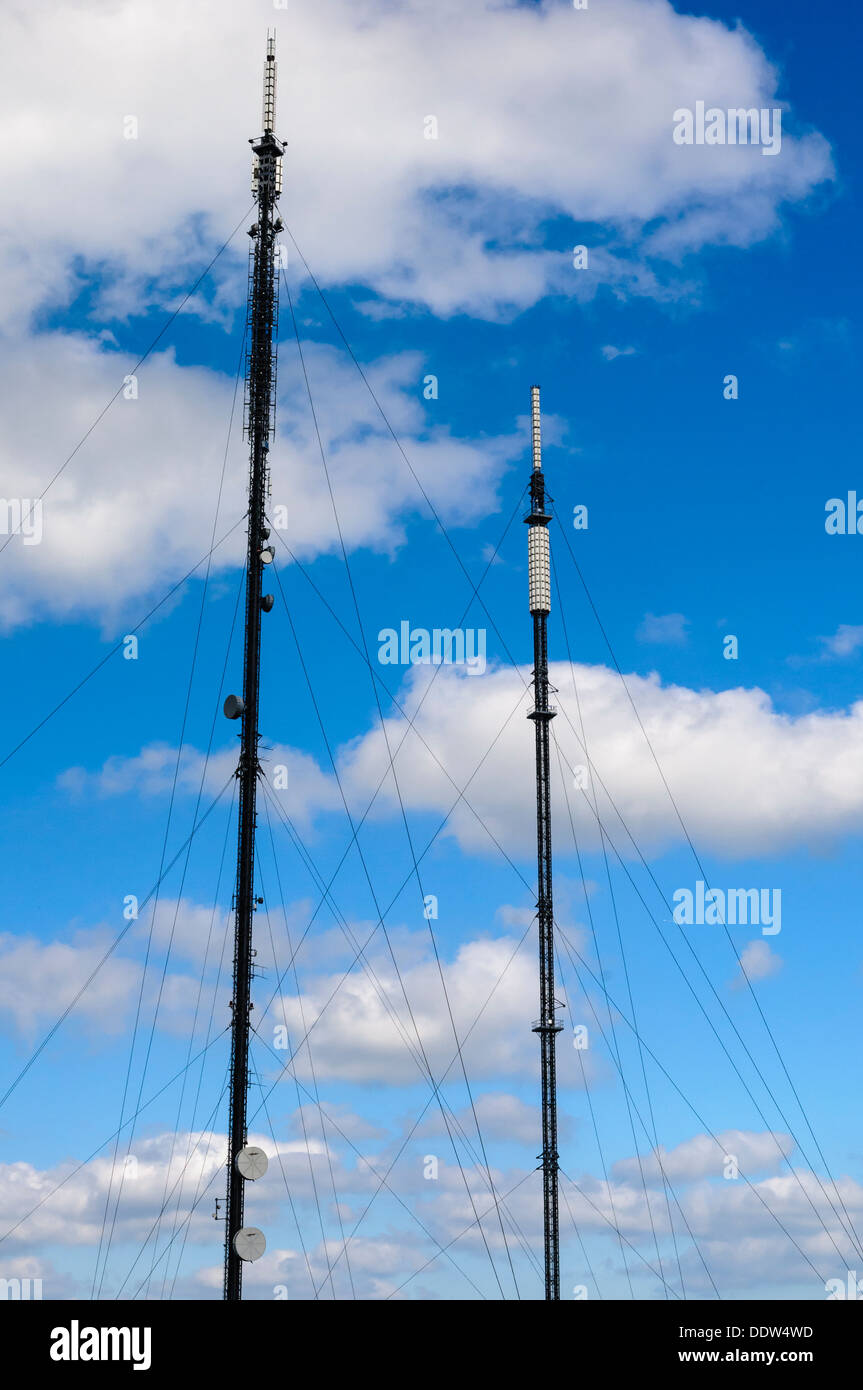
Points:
(706, 518)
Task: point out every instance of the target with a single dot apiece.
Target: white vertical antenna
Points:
(535, 427)
(270, 86)
(538, 556)
(539, 570)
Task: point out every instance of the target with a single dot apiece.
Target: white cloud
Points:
(454, 224)
(516, 916)
(194, 932)
(39, 979)
(356, 1039)
(339, 1120)
(295, 780)
(134, 509)
(727, 756)
(724, 755)
(742, 1243)
(73, 1215)
(846, 640)
(758, 962)
(541, 112)
(609, 352)
(732, 744)
(670, 629)
(705, 1157)
(501, 1116)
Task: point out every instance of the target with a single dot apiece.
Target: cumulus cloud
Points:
(744, 1246)
(39, 979)
(582, 129)
(184, 1161)
(135, 508)
(705, 1157)
(353, 1011)
(845, 641)
(73, 1214)
(737, 1225)
(758, 962)
(453, 223)
(354, 1036)
(501, 1116)
(727, 756)
(296, 780)
(193, 932)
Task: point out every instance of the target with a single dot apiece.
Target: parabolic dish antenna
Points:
(252, 1162)
(250, 1243)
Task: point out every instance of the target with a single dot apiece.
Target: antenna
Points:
(269, 118)
(547, 1026)
(243, 1243)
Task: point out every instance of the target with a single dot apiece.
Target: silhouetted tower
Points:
(539, 584)
(243, 1243)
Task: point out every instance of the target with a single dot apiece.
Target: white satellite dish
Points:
(250, 1243)
(233, 707)
(251, 1162)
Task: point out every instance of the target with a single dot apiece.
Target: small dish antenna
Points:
(233, 707)
(251, 1162)
(250, 1243)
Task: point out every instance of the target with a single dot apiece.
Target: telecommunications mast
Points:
(547, 1026)
(248, 1243)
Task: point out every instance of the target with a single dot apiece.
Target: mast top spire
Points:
(267, 149)
(536, 431)
(269, 120)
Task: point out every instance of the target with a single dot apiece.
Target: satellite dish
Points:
(233, 707)
(267, 601)
(268, 555)
(250, 1243)
(251, 1162)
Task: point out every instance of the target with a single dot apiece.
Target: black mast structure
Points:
(539, 584)
(242, 1243)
